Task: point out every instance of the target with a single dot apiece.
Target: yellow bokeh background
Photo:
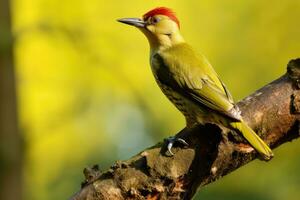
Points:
(86, 94)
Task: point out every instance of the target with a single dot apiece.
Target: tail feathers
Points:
(255, 141)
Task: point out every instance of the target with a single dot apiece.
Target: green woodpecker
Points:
(188, 79)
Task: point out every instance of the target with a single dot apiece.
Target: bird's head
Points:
(160, 25)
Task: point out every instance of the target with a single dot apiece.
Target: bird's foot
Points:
(170, 141)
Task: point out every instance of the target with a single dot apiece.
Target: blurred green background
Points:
(86, 95)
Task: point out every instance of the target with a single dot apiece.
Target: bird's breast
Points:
(164, 75)
(180, 102)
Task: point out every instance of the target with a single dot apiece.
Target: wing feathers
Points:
(194, 78)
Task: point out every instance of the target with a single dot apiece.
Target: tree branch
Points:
(213, 151)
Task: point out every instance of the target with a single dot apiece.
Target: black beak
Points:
(133, 22)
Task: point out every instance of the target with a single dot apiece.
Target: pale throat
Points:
(161, 42)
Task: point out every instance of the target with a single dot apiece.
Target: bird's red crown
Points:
(162, 11)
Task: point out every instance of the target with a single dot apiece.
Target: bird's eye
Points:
(155, 20)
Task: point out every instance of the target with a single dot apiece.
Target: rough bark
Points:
(273, 112)
(10, 139)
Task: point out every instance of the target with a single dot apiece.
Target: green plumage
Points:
(187, 78)
(190, 82)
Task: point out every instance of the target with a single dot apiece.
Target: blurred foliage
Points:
(87, 95)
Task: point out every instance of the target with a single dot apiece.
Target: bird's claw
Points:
(171, 141)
